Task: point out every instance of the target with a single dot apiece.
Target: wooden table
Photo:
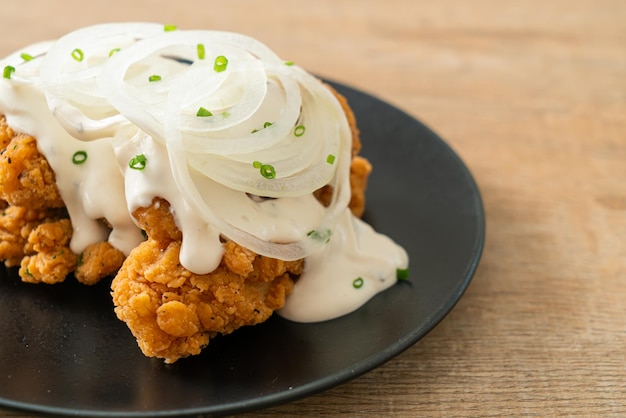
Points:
(532, 95)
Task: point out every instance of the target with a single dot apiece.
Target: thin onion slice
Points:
(70, 70)
(27, 63)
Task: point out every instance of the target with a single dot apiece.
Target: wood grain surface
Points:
(532, 96)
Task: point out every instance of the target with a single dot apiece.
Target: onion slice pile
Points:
(225, 107)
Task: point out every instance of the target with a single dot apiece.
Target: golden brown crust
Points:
(6, 133)
(16, 226)
(51, 260)
(173, 312)
(35, 230)
(27, 179)
(99, 260)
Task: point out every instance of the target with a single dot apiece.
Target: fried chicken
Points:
(26, 178)
(174, 313)
(35, 230)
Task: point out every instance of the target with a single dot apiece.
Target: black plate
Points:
(64, 352)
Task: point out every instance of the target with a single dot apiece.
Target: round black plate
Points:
(63, 351)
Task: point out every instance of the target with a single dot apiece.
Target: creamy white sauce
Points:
(90, 191)
(356, 264)
(339, 248)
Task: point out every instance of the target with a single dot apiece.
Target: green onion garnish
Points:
(221, 62)
(200, 49)
(169, 28)
(113, 51)
(330, 159)
(154, 77)
(78, 54)
(299, 130)
(265, 125)
(26, 57)
(268, 171)
(203, 112)
(79, 157)
(8, 71)
(402, 274)
(358, 282)
(289, 63)
(320, 235)
(138, 162)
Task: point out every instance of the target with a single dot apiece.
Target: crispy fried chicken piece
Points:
(52, 259)
(26, 178)
(35, 230)
(99, 260)
(16, 225)
(174, 313)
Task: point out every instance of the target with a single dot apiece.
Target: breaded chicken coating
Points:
(174, 313)
(6, 133)
(16, 225)
(35, 230)
(52, 259)
(26, 178)
(99, 260)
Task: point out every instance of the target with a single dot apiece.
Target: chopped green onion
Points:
(268, 171)
(221, 62)
(154, 77)
(265, 125)
(289, 63)
(138, 162)
(200, 49)
(203, 112)
(78, 54)
(79, 262)
(225, 114)
(299, 130)
(402, 274)
(8, 71)
(79, 157)
(330, 159)
(113, 51)
(169, 28)
(358, 282)
(257, 164)
(26, 57)
(320, 235)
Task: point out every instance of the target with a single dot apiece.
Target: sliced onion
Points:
(27, 71)
(71, 86)
(256, 104)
